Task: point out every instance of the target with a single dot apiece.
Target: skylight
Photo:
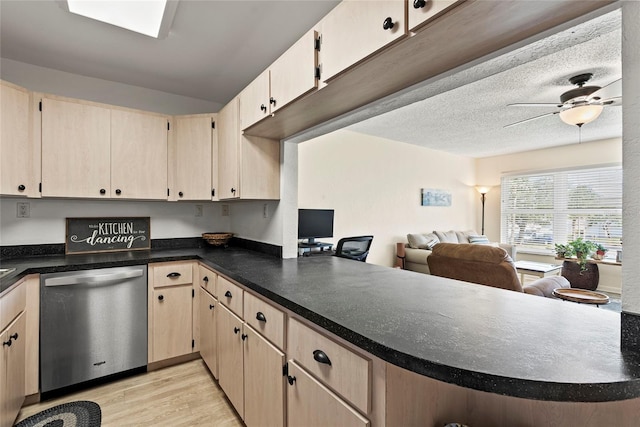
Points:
(141, 16)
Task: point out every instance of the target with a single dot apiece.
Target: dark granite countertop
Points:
(474, 336)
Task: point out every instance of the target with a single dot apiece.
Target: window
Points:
(541, 209)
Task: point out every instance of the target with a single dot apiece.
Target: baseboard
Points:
(173, 361)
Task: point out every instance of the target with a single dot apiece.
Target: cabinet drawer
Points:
(207, 279)
(264, 318)
(230, 295)
(310, 403)
(12, 304)
(344, 371)
(172, 274)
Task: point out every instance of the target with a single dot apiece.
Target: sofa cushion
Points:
(447, 236)
(544, 287)
(422, 241)
(479, 240)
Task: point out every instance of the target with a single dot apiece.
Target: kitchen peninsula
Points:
(503, 355)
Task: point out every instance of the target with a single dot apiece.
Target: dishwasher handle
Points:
(92, 279)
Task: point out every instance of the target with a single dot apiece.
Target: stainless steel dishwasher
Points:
(93, 323)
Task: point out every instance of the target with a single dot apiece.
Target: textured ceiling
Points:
(465, 113)
(214, 49)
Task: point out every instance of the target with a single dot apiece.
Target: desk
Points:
(536, 269)
(307, 249)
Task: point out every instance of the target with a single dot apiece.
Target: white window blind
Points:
(541, 209)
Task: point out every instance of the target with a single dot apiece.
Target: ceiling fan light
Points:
(581, 114)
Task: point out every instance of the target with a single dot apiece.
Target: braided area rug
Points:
(82, 413)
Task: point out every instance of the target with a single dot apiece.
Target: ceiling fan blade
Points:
(534, 104)
(614, 102)
(612, 90)
(531, 118)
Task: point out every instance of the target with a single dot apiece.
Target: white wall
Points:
(631, 149)
(247, 221)
(47, 221)
(374, 186)
(47, 80)
(490, 169)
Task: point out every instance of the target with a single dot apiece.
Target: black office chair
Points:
(356, 248)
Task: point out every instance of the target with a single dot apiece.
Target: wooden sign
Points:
(88, 235)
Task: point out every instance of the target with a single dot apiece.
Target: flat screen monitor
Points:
(315, 223)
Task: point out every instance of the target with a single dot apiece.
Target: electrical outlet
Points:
(225, 210)
(265, 211)
(198, 210)
(24, 210)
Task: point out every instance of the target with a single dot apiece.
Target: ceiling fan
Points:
(580, 105)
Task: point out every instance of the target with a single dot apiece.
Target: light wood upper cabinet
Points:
(249, 167)
(294, 73)
(19, 149)
(76, 153)
(193, 158)
(422, 11)
(254, 101)
(228, 150)
(139, 144)
(291, 76)
(355, 29)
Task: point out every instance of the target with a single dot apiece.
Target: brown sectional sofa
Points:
(486, 265)
(414, 254)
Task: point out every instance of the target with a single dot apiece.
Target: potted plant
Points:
(582, 249)
(563, 251)
(600, 252)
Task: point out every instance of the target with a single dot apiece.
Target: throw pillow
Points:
(432, 243)
(417, 241)
(479, 240)
(447, 236)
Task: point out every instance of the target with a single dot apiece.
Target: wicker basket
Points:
(217, 239)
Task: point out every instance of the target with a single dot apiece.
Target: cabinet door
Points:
(193, 157)
(208, 332)
(139, 147)
(230, 360)
(263, 381)
(172, 320)
(420, 12)
(354, 29)
(309, 403)
(17, 146)
(260, 168)
(228, 151)
(254, 101)
(12, 369)
(75, 149)
(294, 73)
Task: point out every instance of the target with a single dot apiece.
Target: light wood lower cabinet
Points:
(171, 323)
(230, 358)
(12, 370)
(173, 317)
(208, 331)
(310, 403)
(264, 402)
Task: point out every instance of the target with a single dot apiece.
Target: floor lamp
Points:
(483, 190)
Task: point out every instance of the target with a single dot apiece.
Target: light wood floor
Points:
(182, 395)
